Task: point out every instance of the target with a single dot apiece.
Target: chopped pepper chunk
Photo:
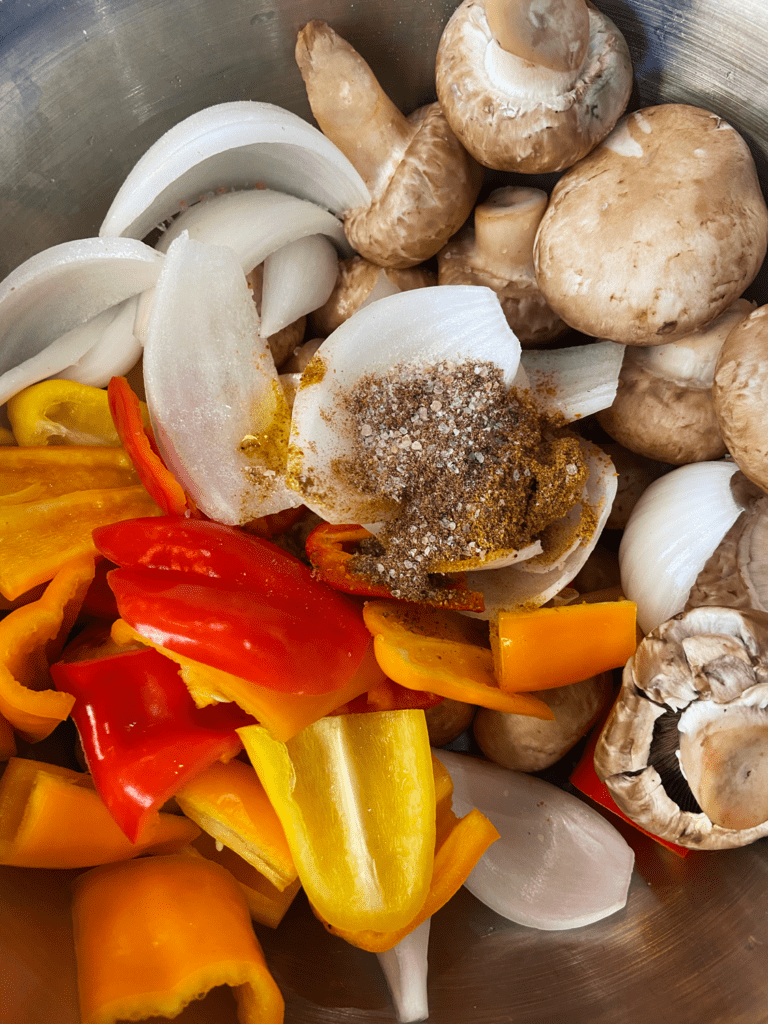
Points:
(153, 934)
(32, 473)
(51, 817)
(356, 798)
(30, 638)
(442, 652)
(63, 412)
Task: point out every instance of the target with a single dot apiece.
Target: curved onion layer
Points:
(233, 145)
(419, 327)
(298, 278)
(672, 530)
(216, 404)
(255, 223)
(578, 381)
(533, 581)
(114, 353)
(405, 968)
(559, 864)
(49, 300)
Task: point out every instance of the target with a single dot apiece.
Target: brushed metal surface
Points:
(85, 87)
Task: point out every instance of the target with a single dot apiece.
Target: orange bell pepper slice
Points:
(459, 845)
(442, 652)
(355, 795)
(34, 473)
(31, 639)
(267, 904)
(283, 714)
(140, 444)
(153, 934)
(558, 646)
(41, 536)
(51, 817)
(229, 803)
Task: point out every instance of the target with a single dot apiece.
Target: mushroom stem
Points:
(505, 228)
(350, 106)
(550, 33)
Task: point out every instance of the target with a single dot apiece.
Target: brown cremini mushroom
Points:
(531, 85)
(422, 181)
(360, 282)
(684, 752)
(496, 250)
(447, 720)
(655, 233)
(664, 408)
(740, 393)
(528, 744)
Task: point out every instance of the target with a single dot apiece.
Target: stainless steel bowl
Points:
(85, 87)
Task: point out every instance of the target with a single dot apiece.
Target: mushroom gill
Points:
(709, 666)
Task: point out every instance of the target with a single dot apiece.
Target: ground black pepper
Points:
(474, 468)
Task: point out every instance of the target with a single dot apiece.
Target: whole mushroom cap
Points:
(655, 233)
(740, 394)
(684, 752)
(664, 407)
(513, 115)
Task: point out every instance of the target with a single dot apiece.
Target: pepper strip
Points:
(459, 845)
(142, 735)
(40, 536)
(282, 714)
(138, 442)
(30, 638)
(325, 547)
(62, 412)
(356, 798)
(441, 652)
(51, 817)
(153, 934)
(48, 472)
(229, 803)
(267, 904)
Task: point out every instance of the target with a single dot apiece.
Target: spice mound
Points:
(476, 469)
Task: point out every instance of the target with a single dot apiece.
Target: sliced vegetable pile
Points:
(261, 578)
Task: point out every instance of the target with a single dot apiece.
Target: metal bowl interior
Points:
(85, 88)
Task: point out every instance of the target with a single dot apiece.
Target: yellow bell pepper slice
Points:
(442, 652)
(459, 845)
(38, 537)
(229, 803)
(267, 904)
(51, 817)
(153, 934)
(31, 639)
(283, 714)
(56, 412)
(548, 647)
(356, 797)
(29, 474)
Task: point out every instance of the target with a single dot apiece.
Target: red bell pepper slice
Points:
(330, 549)
(142, 735)
(161, 484)
(99, 601)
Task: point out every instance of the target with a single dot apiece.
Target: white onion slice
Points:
(578, 381)
(533, 582)
(672, 530)
(233, 145)
(255, 223)
(418, 327)
(57, 292)
(559, 864)
(211, 382)
(114, 354)
(298, 278)
(405, 968)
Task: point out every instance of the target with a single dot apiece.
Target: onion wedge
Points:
(233, 145)
(559, 864)
(405, 968)
(47, 303)
(298, 278)
(215, 401)
(116, 351)
(578, 381)
(419, 327)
